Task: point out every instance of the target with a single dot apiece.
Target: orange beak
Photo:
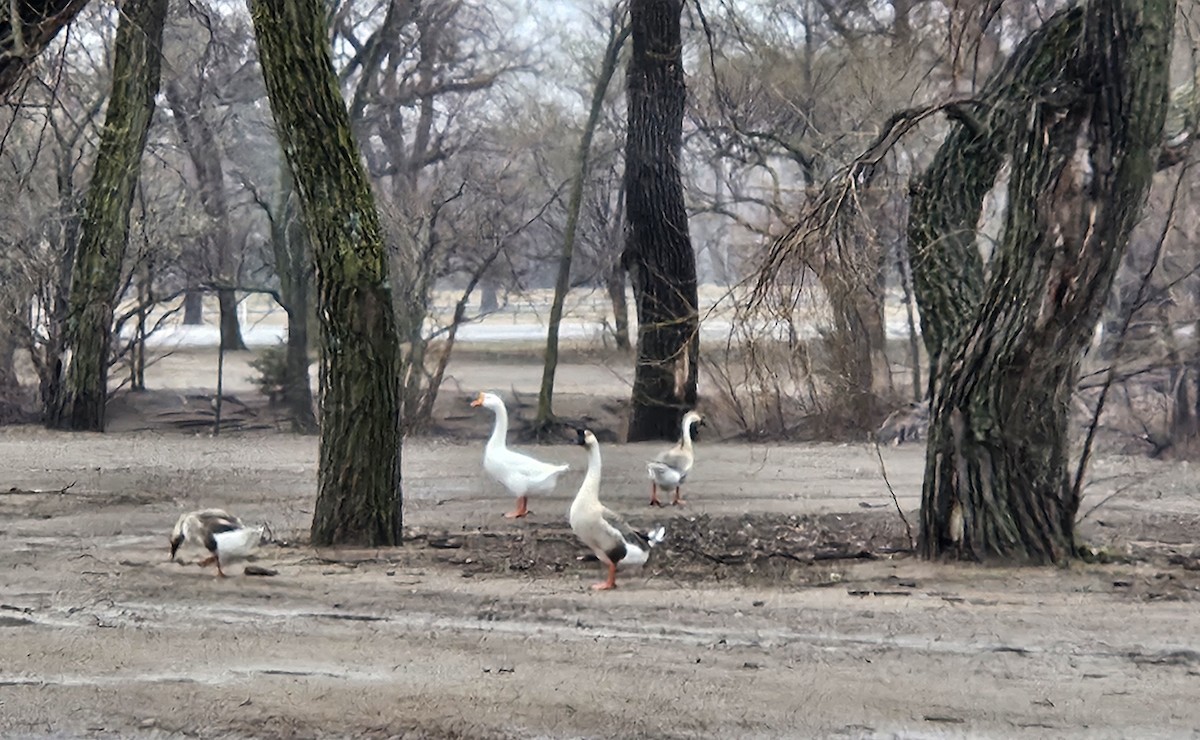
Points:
(478, 401)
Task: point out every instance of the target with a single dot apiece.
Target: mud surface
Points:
(784, 603)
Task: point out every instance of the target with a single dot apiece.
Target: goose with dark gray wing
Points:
(614, 542)
(219, 532)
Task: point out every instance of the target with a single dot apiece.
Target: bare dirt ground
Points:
(784, 603)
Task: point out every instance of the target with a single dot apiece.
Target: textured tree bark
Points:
(1083, 147)
(618, 33)
(359, 501)
(38, 22)
(137, 60)
(947, 198)
(658, 249)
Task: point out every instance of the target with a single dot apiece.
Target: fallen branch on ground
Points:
(14, 491)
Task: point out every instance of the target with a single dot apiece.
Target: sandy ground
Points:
(784, 602)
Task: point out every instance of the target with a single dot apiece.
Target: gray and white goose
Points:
(610, 537)
(219, 532)
(670, 468)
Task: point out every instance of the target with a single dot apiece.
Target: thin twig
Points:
(14, 491)
(1106, 499)
(883, 471)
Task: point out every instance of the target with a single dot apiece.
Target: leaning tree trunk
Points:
(618, 33)
(998, 482)
(658, 250)
(137, 60)
(359, 501)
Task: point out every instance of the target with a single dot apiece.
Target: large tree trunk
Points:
(137, 60)
(359, 501)
(206, 156)
(618, 33)
(998, 482)
(658, 249)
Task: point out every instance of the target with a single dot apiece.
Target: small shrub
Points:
(271, 365)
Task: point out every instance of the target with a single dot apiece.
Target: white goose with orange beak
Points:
(519, 473)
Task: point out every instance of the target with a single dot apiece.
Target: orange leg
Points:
(522, 508)
(678, 500)
(213, 559)
(654, 494)
(611, 583)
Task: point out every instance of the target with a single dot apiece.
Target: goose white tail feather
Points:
(238, 543)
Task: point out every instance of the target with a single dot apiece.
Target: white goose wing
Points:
(524, 466)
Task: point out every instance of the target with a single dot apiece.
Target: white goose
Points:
(670, 468)
(520, 474)
(222, 534)
(615, 543)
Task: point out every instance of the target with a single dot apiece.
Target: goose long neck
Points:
(686, 439)
(500, 428)
(590, 488)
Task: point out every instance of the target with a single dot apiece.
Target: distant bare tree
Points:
(194, 113)
(618, 32)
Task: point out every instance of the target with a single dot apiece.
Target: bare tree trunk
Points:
(227, 303)
(615, 283)
(359, 501)
(914, 341)
(617, 34)
(293, 263)
(193, 307)
(137, 60)
(9, 342)
(997, 481)
(658, 248)
(488, 300)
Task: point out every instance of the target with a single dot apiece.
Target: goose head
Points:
(177, 536)
(692, 418)
(585, 438)
(487, 400)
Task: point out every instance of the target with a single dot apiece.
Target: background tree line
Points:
(784, 154)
